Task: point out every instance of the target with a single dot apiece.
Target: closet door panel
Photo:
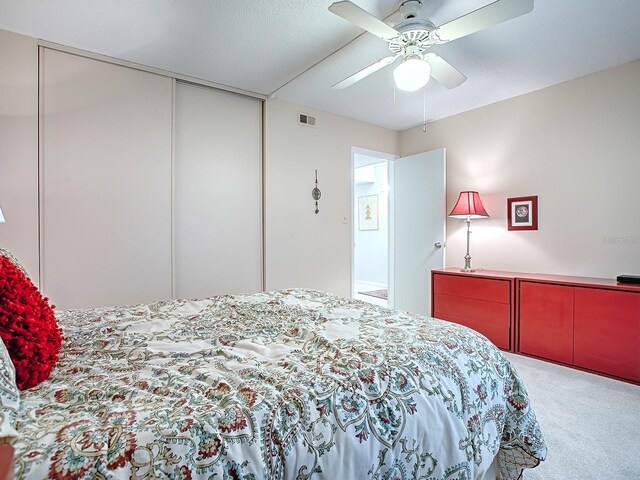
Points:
(19, 149)
(105, 182)
(217, 193)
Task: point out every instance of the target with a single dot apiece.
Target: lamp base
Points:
(467, 258)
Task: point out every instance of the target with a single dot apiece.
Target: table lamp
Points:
(467, 207)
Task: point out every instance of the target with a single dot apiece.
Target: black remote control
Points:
(628, 279)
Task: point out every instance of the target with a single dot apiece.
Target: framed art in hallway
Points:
(368, 212)
(522, 213)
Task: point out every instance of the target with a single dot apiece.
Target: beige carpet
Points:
(591, 423)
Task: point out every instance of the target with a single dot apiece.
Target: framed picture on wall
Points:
(522, 213)
(368, 212)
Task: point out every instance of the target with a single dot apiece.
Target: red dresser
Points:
(588, 323)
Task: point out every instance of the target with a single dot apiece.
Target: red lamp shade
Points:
(468, 205)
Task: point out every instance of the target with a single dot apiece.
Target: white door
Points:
(417, 239)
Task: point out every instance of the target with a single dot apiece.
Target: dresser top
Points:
(479, 273)
(546, 278)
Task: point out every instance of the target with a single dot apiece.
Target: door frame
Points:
(389, 158)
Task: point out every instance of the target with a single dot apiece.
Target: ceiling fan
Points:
(413, 36)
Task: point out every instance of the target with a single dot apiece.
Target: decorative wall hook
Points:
(316, 193)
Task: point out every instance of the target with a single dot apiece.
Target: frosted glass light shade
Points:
(412, 74)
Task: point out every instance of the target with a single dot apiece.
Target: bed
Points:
(289, 384)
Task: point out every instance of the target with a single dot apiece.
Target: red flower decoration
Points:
(27, 326)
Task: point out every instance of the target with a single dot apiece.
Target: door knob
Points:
(438, 245)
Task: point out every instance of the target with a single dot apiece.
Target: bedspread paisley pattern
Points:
(295, 384)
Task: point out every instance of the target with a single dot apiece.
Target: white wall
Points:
(577, 146)
(371, 250)
(19, 148)
(303, 249)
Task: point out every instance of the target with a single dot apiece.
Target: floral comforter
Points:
(295, 384)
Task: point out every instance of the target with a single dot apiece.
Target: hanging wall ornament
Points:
(315, 193)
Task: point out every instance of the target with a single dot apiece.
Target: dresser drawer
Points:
(487, 289)
(546, 321)
(482, 302)
(492, 319)
(607, 332)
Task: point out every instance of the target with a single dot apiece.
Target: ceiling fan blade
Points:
(487, 16)
(443, 72)
(363, 19)
(365, 72)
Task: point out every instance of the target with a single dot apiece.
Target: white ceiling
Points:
(287, 47)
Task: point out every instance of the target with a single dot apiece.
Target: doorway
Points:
(370, 266)
(398, 228)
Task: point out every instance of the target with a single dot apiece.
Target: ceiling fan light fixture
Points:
(413, 73)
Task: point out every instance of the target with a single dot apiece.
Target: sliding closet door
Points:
(105, 172)
(217, 193)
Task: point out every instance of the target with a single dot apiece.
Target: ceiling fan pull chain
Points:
(424, 110)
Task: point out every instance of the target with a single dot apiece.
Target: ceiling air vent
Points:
(308, 120)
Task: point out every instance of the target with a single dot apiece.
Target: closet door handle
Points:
(438, 244)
